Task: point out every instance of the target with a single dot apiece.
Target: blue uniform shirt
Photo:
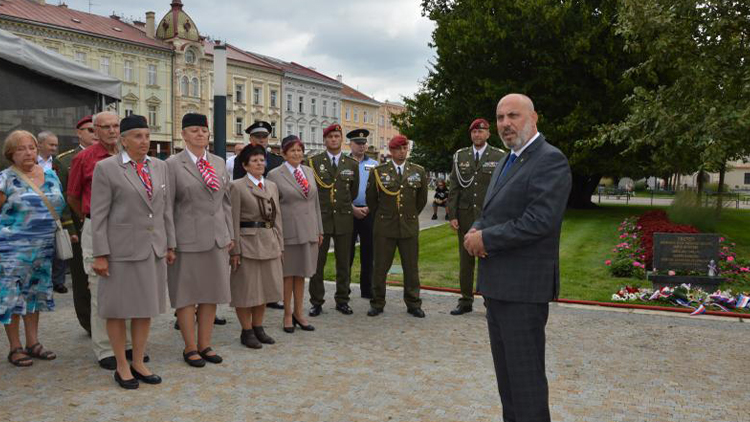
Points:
(365, 166)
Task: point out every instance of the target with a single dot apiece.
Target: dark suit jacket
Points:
(520, 222)
(272, 161)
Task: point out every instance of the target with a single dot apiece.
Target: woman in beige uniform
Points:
(202, 215)
(303, 234)
(258, 243)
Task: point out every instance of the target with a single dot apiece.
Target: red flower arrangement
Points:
(656, 221)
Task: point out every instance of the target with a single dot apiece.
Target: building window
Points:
(127, 71)
(289, 103)
(325, 108)
(301, 105)
(152, 75)
(313, 106)
(274, 94)
(356, 114)
(185, 86)
(288, 130)
(382, 120)
(128, 110)
(104, 65)
(257, 96)
(238, 126)
(80, 57)
(195, 88)
(334, 112)
(348, 113)
(301, 130)
(273, 130)
(364, 116)
(747, 178)
(152, 115)
(239, 93)
(189, 56)
(313, 135)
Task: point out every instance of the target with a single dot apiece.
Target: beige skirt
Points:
(199, 277)
(256, 282)
(134, 289)
(300, 260)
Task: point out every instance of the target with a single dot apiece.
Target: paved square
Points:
(602, 366)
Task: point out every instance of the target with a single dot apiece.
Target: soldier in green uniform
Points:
(396, 194)
(337, 177)
(470, 176)
(81, 293)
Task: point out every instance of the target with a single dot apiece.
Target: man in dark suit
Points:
(517, 239)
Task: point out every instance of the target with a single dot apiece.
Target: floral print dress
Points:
(27, 245)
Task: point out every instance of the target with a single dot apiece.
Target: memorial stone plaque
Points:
(685, 252)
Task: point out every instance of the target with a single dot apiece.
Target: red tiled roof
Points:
(350, 92)
(306, 71)
(234, 53)
(64, 17)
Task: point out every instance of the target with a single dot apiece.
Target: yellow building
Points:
(110, 45)
(358, 111)
(386, 129)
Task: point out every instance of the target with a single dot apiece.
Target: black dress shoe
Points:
(60, 288)
(261, 335)
(417, 312)
(148, 379)
(129, 356)
(210, 358)
(275, 305)
(434, 216)
(109, 363)
(307, 327)
(289, 330)
(374, 311)
(316, 310)
(220, 321)
(130, 384)
(196, 363)
(344, 308)
(461, 309)
(248, 339)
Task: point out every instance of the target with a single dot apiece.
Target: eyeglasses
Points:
(109, 127)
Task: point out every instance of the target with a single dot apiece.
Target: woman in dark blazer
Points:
(202, 215)
(130, 220)
(303, 228)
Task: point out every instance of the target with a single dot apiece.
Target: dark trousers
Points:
(59, 268)
(363, 230)
(467, 263)
(81, 293)
(385, 250)
(341, 244)
(517, 339)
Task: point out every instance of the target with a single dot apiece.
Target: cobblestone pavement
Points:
(602, 366)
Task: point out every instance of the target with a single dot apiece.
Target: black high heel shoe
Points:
(289, 330)
(307, 327)
(130, 384)
(148, 379)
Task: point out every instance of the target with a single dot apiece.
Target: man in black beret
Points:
(259, 132)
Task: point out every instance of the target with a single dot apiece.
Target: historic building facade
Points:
(386, 129)
(359, 111)
(120, 49)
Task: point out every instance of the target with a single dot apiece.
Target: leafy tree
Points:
(564, 54)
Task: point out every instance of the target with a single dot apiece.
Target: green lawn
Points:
(587, 240)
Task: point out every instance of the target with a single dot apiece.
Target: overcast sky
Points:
(379, 46)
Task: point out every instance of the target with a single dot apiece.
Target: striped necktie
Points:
(145, 175)
(302, 182)
(208, 173)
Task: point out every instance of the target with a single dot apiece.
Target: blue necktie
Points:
(508, 164)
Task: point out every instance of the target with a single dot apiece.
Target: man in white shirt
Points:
(47, 148)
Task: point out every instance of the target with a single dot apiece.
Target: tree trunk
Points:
(699, 185)
(583, 187)
(720, 188)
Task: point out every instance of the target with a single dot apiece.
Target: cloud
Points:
(379, 46)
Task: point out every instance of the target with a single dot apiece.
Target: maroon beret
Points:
(479, 124)
(398, 141)
(87, 119)
(332, 128)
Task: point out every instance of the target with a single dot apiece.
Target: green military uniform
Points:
(81, 293)
(469, 180)
(395, 202)
(337, 188)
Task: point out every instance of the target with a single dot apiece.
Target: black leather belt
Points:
(256, 224)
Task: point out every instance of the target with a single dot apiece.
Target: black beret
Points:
(194, 119)
(133, 121)
(258, 127)
(358, 135)
(289, 141)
